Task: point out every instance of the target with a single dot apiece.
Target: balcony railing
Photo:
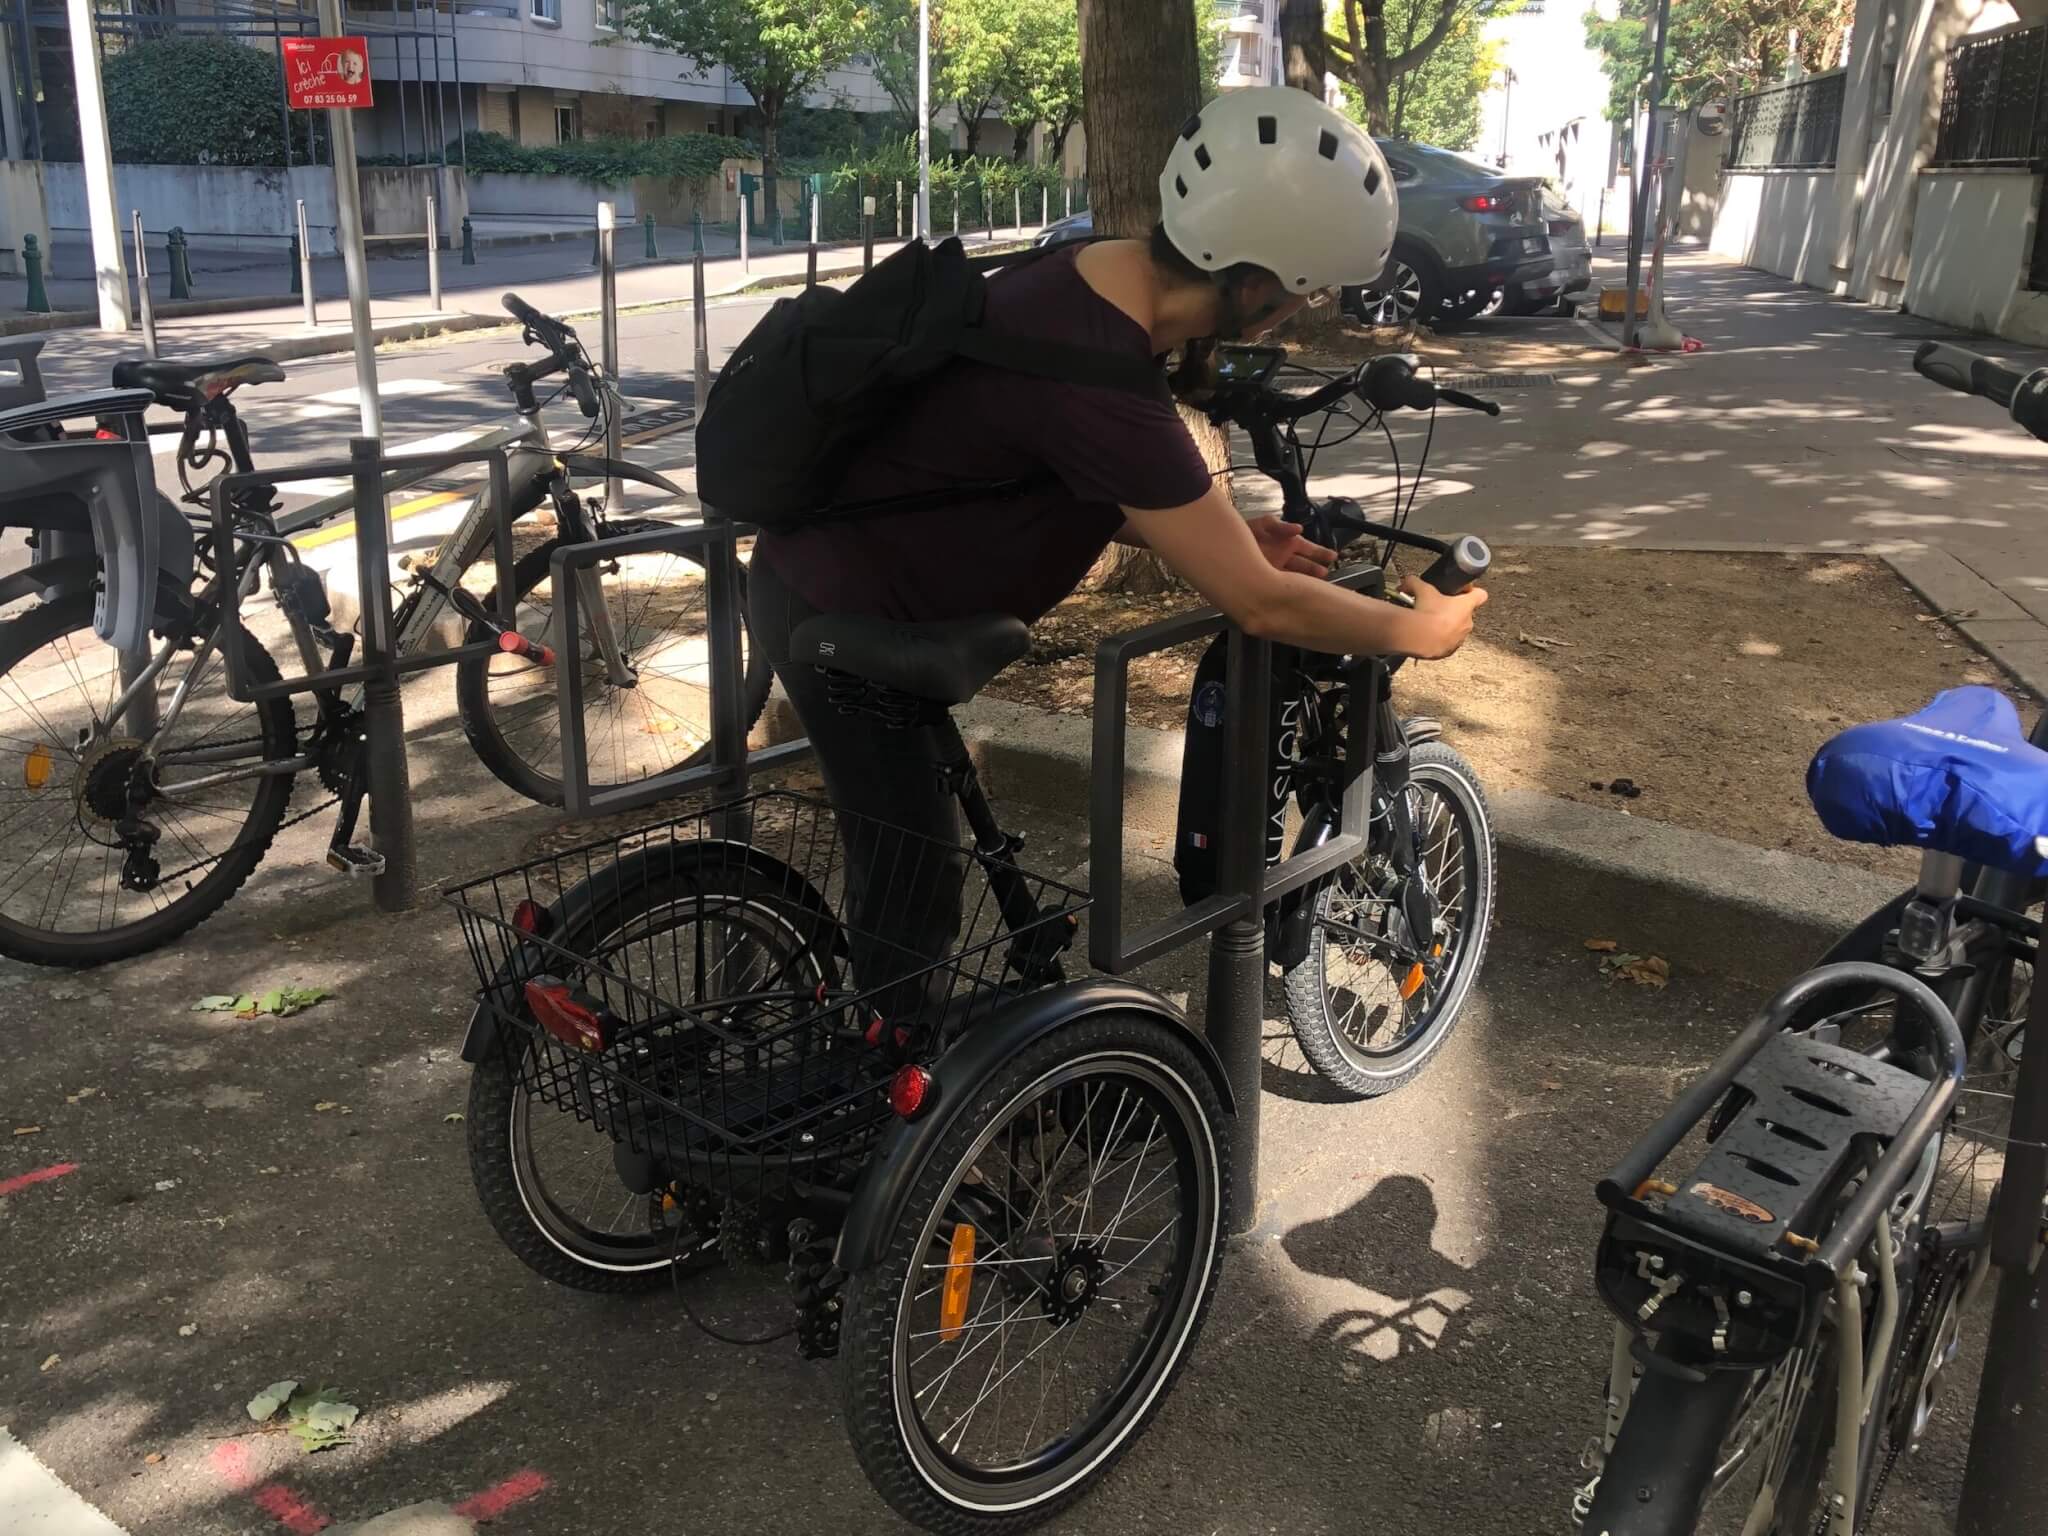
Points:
(1245, 10)
(1992, 100)
(1791, 125)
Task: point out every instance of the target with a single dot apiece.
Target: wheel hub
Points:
(1076, 1280)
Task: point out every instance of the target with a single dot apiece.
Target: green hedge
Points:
(605, 161)
(198, 101)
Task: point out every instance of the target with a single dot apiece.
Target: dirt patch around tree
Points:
(1705, 680)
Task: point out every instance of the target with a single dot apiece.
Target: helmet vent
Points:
(1180, 186)
(1372, 180)
(1202, 156)
(1269, 130)
(1191, 127)
(1326, 146)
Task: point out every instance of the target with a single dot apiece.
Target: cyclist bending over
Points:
(1271, 200)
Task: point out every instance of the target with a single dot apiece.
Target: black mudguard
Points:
(957, 1076)
(576, 906)
(1657, 1474)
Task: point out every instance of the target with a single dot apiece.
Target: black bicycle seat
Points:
(946, 663)
(175, 383)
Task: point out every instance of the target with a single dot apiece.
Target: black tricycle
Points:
(1000, 1194)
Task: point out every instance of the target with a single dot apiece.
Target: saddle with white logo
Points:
(1958, 777)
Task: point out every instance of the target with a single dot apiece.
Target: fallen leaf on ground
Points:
(454, 1118)
(186, 1330)
(278, 1002)
(153, 1458)
(1604, 946)
(28, 1130)
(324, 1105)
(51, 1361)
(270, 1399)
(1644, 970)
(220, 1002)
(320, 1420)
(1541, 642)
(80, 1096)
(1551, 1085)
(162, 1185)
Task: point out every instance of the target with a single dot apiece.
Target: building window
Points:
(609, 14)
(565, 125)
(549, 11)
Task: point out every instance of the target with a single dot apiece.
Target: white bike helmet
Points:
(1273, 177)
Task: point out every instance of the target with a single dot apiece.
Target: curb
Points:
(1704, 903)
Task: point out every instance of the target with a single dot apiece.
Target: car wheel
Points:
(1465, 307)
(1410, 289)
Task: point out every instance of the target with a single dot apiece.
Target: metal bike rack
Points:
(1233, 918)
(730, 762)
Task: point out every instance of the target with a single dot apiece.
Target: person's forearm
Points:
(1317, 616)
(1130, 537)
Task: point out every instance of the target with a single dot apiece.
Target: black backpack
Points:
(823, 372)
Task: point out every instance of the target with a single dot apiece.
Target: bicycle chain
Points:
(289, 821)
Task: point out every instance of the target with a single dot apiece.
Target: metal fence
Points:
(1991, 102)
(1788, 125)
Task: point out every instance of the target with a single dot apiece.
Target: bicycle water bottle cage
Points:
(1720, 1257)
(113, 479)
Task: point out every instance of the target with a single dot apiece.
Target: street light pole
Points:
(348, 207)
(924, 119)
(1639, 209)
(96, 156)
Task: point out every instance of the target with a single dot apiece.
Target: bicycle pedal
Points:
(355, 861)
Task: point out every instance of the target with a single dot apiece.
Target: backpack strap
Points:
(1058, 360)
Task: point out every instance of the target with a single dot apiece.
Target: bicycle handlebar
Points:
(551, 333)
(2024, 395)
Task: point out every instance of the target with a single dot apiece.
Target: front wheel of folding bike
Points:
(1045, 1281)
(1376, 995)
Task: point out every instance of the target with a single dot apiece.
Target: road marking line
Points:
(37, 1502)
(499, 1497)
(40, 1176)
(334, 533)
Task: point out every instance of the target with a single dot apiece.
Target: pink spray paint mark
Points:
(499, 1497)
(40, 1176)
(289, 1510)
(230, 1462)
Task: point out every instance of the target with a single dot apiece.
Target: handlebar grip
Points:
(1465, 562)
(2030, 403)
(1966, 372)
(1466, 402)
(1390, 382)
(546, 327)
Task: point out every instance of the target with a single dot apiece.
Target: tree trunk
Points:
(1368, 48)
(1140, 81)
(1304, 57)
(1020, 142)
(1057, 146)
(972, 123)
(771, 160)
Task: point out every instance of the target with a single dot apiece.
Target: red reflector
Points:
(531, 917)
(566, 1019)
(107, 435)
(1483, 202)
(909, 1089)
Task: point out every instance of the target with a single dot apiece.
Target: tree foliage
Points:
(1437, 102)
(154, 94)
(893, 47)
(1376, 43)
(980, 46)
(1045, 83)
(1716, 47)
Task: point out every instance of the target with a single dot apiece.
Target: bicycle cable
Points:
(675, 1276)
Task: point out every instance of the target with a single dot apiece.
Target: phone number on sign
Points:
(329, 99)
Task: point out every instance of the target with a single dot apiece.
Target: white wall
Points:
(1551, 118)
(1781, 221)
(219, 205)
(1971, 239)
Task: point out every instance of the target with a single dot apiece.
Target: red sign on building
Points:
(327, 71)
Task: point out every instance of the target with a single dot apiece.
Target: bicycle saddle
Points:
(175, 384)
(946, 663)
(1957, 777)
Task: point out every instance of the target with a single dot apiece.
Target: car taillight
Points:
(563, 1016)
(1484, 202)
(532, 919)
(909, 1089)
(1560, 226)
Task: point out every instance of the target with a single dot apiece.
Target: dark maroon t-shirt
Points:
(1107, 448)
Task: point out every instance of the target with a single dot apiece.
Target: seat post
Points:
(956, 772)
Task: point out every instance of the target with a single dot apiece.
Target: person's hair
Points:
(1169, 258)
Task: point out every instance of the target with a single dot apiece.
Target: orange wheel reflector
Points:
(1412, 982)
(959, 1281)
(36, 767)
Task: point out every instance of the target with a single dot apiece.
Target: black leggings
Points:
(902, 894)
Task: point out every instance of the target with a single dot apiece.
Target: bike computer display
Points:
(1247, 365)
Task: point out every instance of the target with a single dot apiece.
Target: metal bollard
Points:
(746, 218)
(468, 242)
(956, 210)
(697, 232)
(391, 831)
(867, 233)
(597, 243)
(1068, 188)
(433, 258)
(1044, 204)
(181, 268)
(145, 305)
(32, 264)
(811, 265)
(647, 224)
(608, 320)
(899, 210)
(297, 285)
(701, 324)
(988, 211)
(817, 196)
(778, 226)
(305, 272)
(1017, 208)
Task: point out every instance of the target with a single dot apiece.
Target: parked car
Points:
(1467, 230)
(1571, 260)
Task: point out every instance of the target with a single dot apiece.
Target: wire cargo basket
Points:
(729, 994)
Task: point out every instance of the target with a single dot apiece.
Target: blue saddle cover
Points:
(1958, 777)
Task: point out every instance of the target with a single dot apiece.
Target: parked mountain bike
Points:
(1789, 1310)
(139, 795)
(999, 1193)
(1379, 958)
